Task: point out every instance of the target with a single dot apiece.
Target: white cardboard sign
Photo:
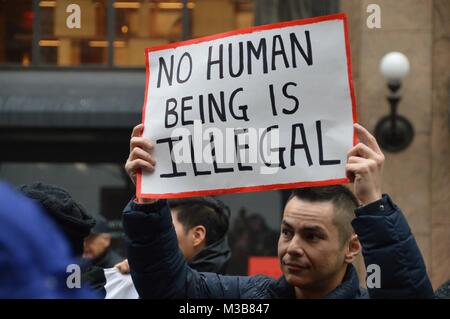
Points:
(264, 108)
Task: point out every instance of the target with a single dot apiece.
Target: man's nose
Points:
(295, 247)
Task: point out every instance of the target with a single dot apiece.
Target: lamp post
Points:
(394, 132)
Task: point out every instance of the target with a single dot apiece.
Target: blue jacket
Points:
(159, 270)
(34, 254)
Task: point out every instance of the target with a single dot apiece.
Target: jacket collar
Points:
(348, 289)
(212, 258)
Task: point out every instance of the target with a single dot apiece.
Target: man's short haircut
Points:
(209, 212)
(343, 201)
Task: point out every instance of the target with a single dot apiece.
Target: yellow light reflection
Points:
(49, 43)
(25, 60)
(104, 44)
(47, 4)
(161, 5)
(127, 5)
(172, 5)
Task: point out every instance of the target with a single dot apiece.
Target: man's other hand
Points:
(365, 167)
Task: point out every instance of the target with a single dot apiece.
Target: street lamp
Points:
(394, 132)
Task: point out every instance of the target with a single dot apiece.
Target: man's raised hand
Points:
(139, 158)
(365, 167)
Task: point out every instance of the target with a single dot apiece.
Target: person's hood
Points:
(213, 258)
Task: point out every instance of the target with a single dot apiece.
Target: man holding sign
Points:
(317, 244)
(278, 109)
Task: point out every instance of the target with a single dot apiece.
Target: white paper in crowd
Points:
(282, 118)
(118, 285)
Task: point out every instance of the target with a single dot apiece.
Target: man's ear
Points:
(198, 236)
(353, 249)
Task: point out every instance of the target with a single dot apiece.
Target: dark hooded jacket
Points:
(212, 258)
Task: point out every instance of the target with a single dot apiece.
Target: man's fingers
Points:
(139, 158)
(134, 165)
(123, 267)
(355, 159)
(137, 130)
(356, 167)
(364, 151)
(368, 166)
(139, 153)
(367, 138)
(351, 170)
(350, 175)
(141, 142)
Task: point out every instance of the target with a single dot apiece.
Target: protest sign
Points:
(268, 107)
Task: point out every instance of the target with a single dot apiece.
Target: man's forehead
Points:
(310, 212)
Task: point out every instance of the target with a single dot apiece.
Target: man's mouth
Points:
(295, 266)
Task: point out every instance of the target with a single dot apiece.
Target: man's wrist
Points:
(147, 207)
(369, 200)
(381, 206)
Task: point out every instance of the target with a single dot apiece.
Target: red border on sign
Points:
(339, 16)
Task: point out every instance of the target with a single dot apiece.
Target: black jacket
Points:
(93, 277)
(108, 259)
(212, 258)
(348, 289)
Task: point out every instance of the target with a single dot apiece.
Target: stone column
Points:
(440, 144)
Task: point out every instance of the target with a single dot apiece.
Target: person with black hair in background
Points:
(201, 225)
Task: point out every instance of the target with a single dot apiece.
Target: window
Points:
(216, 16)
(16, 25)
(61, 45)
(143, 24)
(131, 26)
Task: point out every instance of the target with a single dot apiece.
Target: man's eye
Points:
(286, 232)
(313, 237)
